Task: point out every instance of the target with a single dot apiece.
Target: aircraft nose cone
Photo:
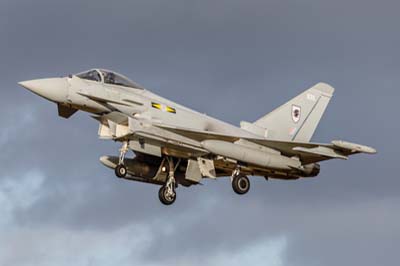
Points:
(53, 89)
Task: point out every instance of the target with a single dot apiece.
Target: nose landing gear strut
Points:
(120, 169)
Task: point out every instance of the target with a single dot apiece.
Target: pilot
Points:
(109, 78)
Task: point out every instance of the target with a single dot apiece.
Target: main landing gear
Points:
(167, 193)
(240, 182)
(120, 169)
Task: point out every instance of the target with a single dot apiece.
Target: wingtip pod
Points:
(353, 147)
(324, 88)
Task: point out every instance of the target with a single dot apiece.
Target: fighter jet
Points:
(174, 145)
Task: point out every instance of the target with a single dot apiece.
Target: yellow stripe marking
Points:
(156, 105)
(159, 106)
(171, 110)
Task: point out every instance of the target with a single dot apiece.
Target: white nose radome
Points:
(52, 89)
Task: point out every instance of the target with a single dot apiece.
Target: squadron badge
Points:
(296, 113)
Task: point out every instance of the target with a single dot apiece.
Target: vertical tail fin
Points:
(297, 119)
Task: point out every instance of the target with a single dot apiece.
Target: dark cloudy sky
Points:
(235, 60)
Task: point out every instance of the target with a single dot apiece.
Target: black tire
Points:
(163, 198)
(120, 171)
(241, 184)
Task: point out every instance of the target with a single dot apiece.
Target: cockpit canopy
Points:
(108, 77)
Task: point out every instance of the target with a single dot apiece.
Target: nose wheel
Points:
(120, 169)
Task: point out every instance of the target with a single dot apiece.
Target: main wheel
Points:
(120, 171)
(241, 184)
(164, 197)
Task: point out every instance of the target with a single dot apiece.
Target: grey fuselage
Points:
(177, 145)
(76, 92)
